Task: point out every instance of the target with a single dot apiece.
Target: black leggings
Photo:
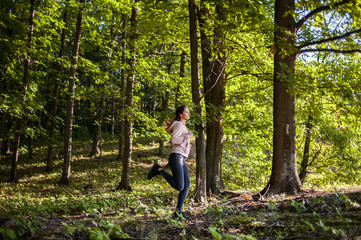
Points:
(180, 179)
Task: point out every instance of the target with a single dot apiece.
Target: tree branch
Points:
(329, 39)
(248, 52)
(218, 77)
(246, 92)
(330, 50)
(318, 10)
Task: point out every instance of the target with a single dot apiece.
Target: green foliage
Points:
(20, 227)
(326, 87)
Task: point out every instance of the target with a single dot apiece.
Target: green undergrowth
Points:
(90, 208)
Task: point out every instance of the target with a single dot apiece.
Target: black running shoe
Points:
(154, 171)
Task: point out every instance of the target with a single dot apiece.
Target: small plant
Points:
(215, 210)
(299, 206)
(272, 206)
(98, 234)
(216, 233)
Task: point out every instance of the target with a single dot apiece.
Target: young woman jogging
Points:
(180, 142)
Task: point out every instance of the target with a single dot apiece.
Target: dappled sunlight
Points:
(91, 201)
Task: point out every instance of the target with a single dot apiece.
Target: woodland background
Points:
(273, 88)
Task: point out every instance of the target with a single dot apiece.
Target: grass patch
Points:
(91, 208)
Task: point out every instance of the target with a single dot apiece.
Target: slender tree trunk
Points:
(284, 176)
(182, 74)
(65, 179)
(113, 115)
(122, 95)
(128, 123)
(165, 105)
(96, 138)
(306, 151)
(14, 162)
(2, 121)
(31, 142)
(97, 141)
(7, 147)
(201, 193)
(31, 148)
(54, 109)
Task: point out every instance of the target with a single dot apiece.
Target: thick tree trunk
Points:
(122, 95)
(284, 176)
(306, 151)
(201, 193)
(14, 162)
(54, 109)
(214, 82)
(128, 123)
(65, 179)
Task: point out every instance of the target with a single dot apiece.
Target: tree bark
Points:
(97, 141)
(284, 176)
(113, 115)
(27, 62)
(165, 105)
(306, 151)
(182, 74)
(2, 121)
(96, 138)
(65, 179)
(214, 82)
(128, 123)
(7, 147)
(201, 193)
(54, 109)
(122, 89)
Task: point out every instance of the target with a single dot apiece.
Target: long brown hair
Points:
(179, 110)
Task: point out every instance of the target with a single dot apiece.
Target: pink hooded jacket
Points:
(180, 139)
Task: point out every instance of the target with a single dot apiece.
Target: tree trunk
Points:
(31, 148)
(201, 193)
(284, 176)
(214, 82)
(97, 141)
(165, 105)
(14, 162)
(306, 151)
(65, 179)
(2, 121)
(113, 116)
(128, 123)
(122, 95)
(15, 157)
(30, 142)
(54, 109)
(7, 147)
(96, 138)
(182, 74)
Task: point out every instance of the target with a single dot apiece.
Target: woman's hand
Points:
(190, 134)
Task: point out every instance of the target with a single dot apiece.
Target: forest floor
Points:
(90, 208)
